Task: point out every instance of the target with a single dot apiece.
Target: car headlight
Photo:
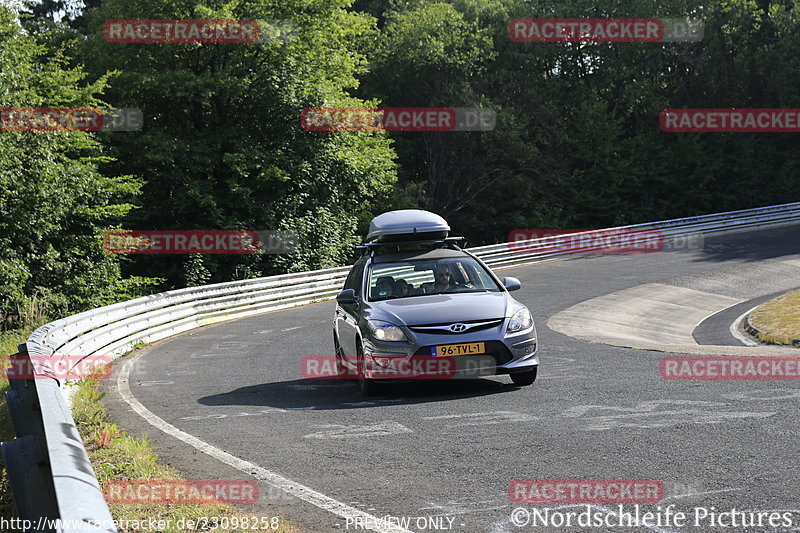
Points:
(384, 331)
(521, 320)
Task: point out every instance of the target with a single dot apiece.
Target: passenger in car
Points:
(402, 288)
(384, 287)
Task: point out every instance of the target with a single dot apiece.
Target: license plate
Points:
(472, 348)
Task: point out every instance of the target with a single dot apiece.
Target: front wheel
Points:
(368, 386)
(525, 378)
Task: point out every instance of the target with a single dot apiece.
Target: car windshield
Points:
(419, 278)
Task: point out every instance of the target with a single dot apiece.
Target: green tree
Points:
(454, 54)
(577, 142)
(54, 203)
(222, 147)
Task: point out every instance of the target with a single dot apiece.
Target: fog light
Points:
(382, 361)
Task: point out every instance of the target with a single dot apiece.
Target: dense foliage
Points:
(54, 201)
(577, 141)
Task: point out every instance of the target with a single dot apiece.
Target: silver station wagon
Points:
(415, 301)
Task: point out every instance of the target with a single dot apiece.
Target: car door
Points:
(347, 314)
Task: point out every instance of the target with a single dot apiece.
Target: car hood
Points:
(442, 308)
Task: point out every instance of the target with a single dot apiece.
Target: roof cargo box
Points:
(407, 225)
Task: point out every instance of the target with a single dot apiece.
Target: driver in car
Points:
(443, 280)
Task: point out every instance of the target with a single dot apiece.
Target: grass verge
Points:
(119, 457)
(779, 319)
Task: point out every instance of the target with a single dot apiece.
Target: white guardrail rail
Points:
(49, 470)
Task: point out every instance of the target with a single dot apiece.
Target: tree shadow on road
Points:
(757, 245)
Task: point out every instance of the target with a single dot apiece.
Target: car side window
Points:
(353, 280)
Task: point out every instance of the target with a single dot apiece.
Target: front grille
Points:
(494, 349)
(444, 329)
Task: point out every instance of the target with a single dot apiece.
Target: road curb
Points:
(755, 332)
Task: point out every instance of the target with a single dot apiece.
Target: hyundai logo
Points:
(458, 328)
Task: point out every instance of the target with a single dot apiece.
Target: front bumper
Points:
(505, 353)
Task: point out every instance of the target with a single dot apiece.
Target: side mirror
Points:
(511, 284)
(347, 296)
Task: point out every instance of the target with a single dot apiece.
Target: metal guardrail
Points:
(505, 255)
(52, 480)
(48, 467)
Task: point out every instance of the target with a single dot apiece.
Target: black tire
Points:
(368, 386)
(523, 379)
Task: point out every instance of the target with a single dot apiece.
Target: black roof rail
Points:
(449, 242)
(368, 247)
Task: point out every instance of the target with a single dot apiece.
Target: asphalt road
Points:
(716, 328)
(450, 449)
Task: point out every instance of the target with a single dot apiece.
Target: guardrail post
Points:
(26, 415)
(25, 457)
(31, 481)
